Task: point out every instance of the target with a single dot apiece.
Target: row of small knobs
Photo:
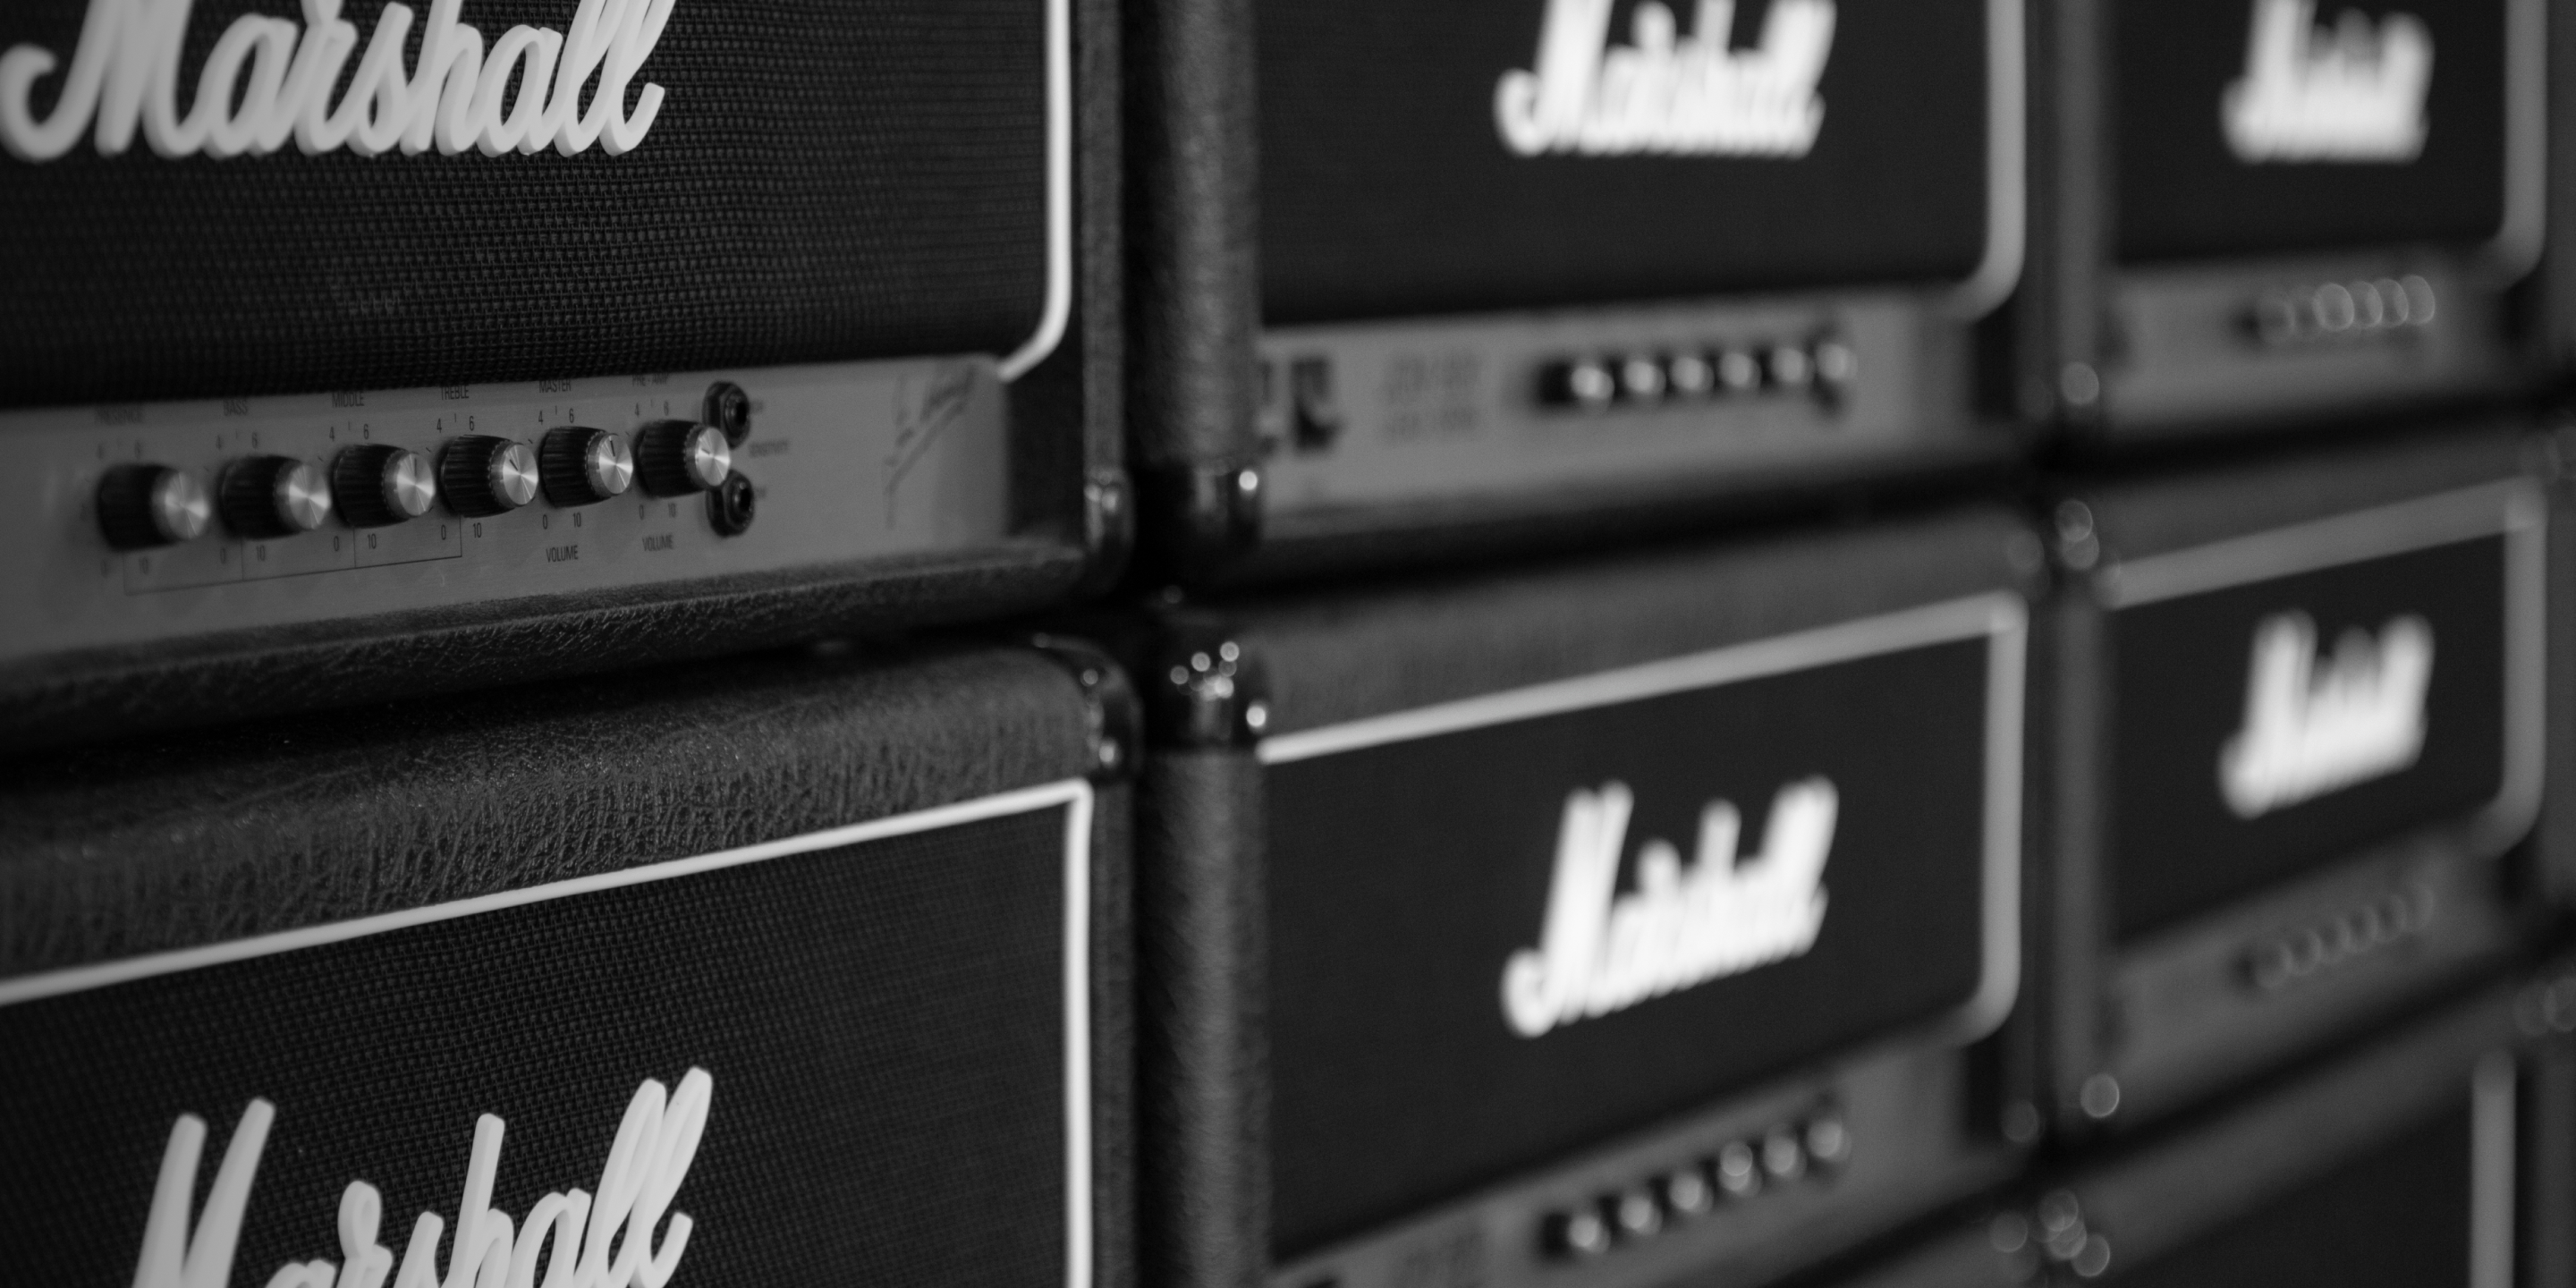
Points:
(376, 486)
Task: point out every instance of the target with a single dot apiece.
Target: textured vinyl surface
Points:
(195, 839)
(2397, 1215)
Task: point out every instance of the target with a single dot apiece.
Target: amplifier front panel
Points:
(851, 464)
(861, 1053)
(1506, 928)
(2316, 210)
(1534, 406)
(2203, 343)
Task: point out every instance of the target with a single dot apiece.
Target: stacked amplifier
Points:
(358, 351)
(2264, 212)
(2437, 1154)
(813, 974)
(2298, 725)
(1524, 272)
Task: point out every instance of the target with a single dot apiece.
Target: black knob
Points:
(482, 475)
(581, 466)
(675, 457)
(272, 496)
(378, 486)
(729, 409)
(732, 506)
(142, 506)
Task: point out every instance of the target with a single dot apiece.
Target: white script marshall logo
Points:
(267, 81)
(646, 1164)
(1681, 926)
(2349, 94)
(1669, 93)
(2313, 727)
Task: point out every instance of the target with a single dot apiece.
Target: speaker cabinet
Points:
(816, 970)
(1597, 923)
(2428, 1157)
(2298, 724)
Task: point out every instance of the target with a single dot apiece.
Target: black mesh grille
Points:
(826, 180)
(883, 1023)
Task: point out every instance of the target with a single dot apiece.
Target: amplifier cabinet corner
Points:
(1598, 923)
(817, 972)
(2299, 727)
(350, 395)
(1494, 295)
(2305, 216)
(2438, 1154)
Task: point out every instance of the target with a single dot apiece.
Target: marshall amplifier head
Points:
(2307, 209)
(2298, 718)
(363, 349)
(815, 974)
(2423, 1161)
(1597, 924)
(1546, 263)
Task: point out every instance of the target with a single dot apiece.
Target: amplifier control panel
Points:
(2194, 345)
(1387, 414)
(126, 524)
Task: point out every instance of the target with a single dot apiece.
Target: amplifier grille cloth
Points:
(883, 1023)
(826, 181)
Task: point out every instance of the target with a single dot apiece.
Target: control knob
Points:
(583, 466)
(379, 486)
(676, 458)
(142, 506)
(272, 496)
(482, 475)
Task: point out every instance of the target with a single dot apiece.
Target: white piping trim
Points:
(2007, 143)
(2000, 617)
(1074, 794)
(1077, 1031)
(2516, 247)
(2006, 675)
(1823, 646)
(28, 988)
(1059, 213)
(2488, 509)
(2491, 1168)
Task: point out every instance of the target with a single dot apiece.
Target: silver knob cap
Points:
(675, 458)
(142, 506)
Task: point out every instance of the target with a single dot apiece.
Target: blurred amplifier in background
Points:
(2296, 713)
(644, 329)
(2267, 211)
(2436, 1157)
(1598, 923)
(815, 973)
(1435, 275)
